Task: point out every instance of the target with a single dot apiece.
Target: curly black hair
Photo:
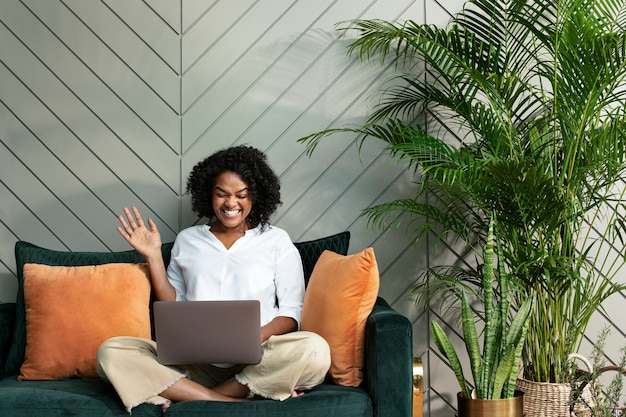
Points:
(251, 165)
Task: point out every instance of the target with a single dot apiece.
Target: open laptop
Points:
(208, 332)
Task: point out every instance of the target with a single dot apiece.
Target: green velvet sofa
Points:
(385, 392)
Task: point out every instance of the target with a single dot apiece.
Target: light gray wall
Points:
(110, 103)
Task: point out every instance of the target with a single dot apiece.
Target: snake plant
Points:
(495, 369)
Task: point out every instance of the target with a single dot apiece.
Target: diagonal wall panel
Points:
(129, 67)
(194, 10)
(168, 12)
(158, 31)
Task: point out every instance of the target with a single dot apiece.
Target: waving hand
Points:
(145, 240)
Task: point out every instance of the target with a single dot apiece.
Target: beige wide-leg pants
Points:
(294, 361)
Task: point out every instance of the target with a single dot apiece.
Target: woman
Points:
(237, 255)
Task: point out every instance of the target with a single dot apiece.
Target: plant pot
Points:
(545, 399)
(548, 399)
(507, 407)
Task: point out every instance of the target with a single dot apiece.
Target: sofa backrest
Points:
(28, 253)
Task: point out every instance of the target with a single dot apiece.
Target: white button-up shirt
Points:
(262, 265)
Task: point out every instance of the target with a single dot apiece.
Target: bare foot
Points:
(186, 389)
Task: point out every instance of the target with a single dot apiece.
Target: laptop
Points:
(208, 332)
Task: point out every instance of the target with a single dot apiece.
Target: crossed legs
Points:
(297, 361)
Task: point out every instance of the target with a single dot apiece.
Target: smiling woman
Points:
(237, 255)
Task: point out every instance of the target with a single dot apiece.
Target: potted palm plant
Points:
(535, 92)
(494, 371)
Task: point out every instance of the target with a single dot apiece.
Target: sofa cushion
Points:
(340, 296)
(71, 310)
(327, 400)
(83, 397)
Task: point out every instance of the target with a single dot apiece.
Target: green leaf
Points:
(473, 349)
(510, 387)
(491, 348)
(445, 347)
(503, 371)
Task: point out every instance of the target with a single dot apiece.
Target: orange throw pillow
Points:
(70, 311)
(339, 298)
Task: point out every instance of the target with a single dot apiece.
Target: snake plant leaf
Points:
(471, 343)
(503, 371)
(445, 347)
(503, 282)
(516, 333)
(510, 388)
(492, 321)
(516, 328)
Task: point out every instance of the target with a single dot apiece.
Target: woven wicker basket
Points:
(545, 399)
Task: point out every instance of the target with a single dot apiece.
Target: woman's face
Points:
(231, 200)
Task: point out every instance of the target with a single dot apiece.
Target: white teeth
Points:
(231, 212)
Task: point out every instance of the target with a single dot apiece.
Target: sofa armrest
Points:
(7, 321)
(389, 361)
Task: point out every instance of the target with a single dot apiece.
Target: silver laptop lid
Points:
(204, 332)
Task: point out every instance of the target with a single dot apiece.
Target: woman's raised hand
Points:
(146, 241)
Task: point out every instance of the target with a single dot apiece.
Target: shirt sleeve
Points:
(289, 282)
